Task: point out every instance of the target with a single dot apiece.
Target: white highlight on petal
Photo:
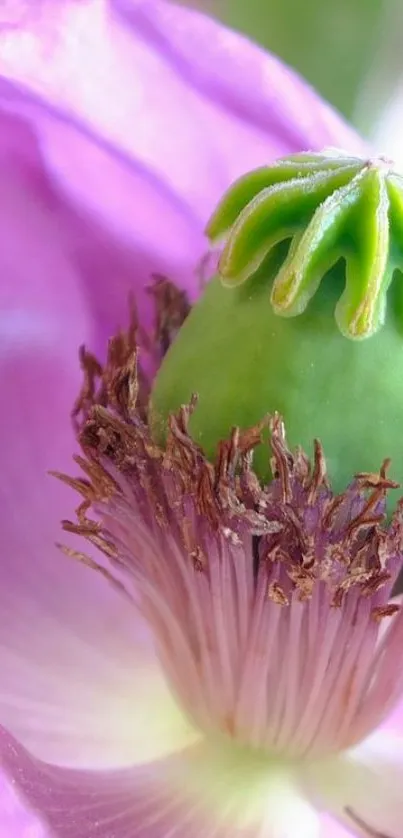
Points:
(363, 787)
(74, 703)
(246, 790)
(386, 134)
(20, 326)
(287, 813)
(207, 791)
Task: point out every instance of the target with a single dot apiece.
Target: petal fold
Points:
(118, 223)
(15, 820)
(230, 107)
(74, 657)
(198, 792)
(244, 80)
(363, 788)
(141, 170)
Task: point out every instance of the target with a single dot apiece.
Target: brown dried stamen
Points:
(171, 309)
(205, 547)
(110, 416)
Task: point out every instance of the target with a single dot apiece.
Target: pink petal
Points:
(43, 317)
(363, 787)
(138, 171)
(174, 91)
(393, 724)
(245, 81)
(111, 243)
(177, 796)
(74, 658)
(72, 653)
(332, 829)
(15, 820)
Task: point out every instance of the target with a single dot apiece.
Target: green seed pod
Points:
(303, 318)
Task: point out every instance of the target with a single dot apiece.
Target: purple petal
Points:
(111, 243)
(141, 170)
(188, 794)
(193, 102)
(362, 786)
(69, 646)
(394, 722)
(15, 820)
(333, 829)
(243, 80)
(74, 657)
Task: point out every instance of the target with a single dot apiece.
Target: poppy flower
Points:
(122, 125)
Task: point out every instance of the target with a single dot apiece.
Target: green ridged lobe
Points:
(293, 321)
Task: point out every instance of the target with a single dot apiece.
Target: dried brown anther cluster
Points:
(306, 535)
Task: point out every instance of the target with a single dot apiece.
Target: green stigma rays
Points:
(328, 206)
(267, 334)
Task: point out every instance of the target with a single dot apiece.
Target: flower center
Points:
(270, 605)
